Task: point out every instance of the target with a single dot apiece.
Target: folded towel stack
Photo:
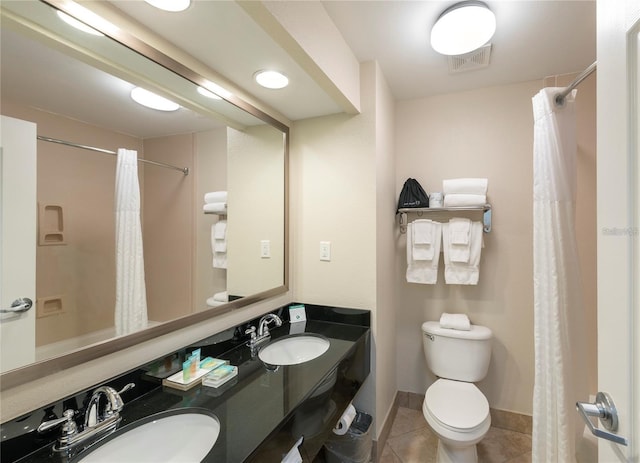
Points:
(465, 192)
(455, 321)
(215, 202)
(423, 251)
(219, 244)
(218, 299)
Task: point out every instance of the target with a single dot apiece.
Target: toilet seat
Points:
(457, 406)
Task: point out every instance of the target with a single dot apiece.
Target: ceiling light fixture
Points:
(204, 92)
(271, 79)
(170, 5)
(462, 28)
(78, 24)
(153, 101)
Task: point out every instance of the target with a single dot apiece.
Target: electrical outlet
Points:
(265, 249)
(325, 250)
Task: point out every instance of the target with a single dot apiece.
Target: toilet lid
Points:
(457, 404)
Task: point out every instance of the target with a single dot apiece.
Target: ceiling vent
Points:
(477, 59)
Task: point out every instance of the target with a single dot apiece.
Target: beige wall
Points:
(486, 133)
(211, 175)
(386, 290)
(255, 168)
(82, 271)
(168, 227)
(342, 191)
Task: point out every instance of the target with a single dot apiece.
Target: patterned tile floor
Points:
(412, 441)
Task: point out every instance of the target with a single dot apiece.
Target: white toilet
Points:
(453, 406)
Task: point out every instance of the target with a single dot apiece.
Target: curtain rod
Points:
(184, 170)
(559, 98)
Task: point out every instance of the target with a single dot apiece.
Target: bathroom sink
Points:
(295, 349)
(184, 435)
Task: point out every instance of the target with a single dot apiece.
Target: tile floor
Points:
(412, 441)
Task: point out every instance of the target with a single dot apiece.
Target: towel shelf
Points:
(449, 211)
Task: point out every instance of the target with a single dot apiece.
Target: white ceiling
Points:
(534, 39)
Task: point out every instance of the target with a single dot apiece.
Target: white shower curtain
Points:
(131, 299)
(560, 359)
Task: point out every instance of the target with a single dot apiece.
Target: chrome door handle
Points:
(19, 306)
(605, 410)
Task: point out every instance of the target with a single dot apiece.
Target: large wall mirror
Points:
(204, 253)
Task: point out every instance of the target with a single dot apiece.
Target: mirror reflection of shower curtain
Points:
(131, 299)
(560, 346)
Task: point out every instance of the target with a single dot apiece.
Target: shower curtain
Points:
(131, 299)
(560, 363)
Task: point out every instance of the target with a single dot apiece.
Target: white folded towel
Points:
(464, 200)
(211, 302)
(459, 231)
(215, 197)
(455, 321)
(220, 246)
(422, 248)
(222, 296)
(463, 273)
(424, 271)
(215, 208)
(470, 186)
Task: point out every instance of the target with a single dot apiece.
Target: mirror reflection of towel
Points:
(219, 244)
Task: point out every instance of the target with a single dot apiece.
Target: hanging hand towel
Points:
(424, 271)
(464, 200)
(422, 247)
(219, 244)
(220, 230)
(469, 186)
(455, 321)
(459, 231)
(463, 273)
(215, 197)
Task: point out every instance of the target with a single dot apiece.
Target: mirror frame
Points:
(47, 367)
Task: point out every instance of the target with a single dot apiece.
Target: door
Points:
(618, 204)
(17, 240)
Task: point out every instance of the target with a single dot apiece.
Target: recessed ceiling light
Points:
(170, 5)
(78, 24)
(204, 92)
(271, 79)
(462, 28)
(153, 101)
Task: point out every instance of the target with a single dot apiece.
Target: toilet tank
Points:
(457, 354)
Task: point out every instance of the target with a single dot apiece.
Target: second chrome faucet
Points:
(263, 334)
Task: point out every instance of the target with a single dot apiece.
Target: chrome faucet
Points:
(263, 326)
(263, 331)
(97, 421)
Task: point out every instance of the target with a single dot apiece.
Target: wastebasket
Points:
(354, 446)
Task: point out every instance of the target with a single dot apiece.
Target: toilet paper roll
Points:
(345, 421)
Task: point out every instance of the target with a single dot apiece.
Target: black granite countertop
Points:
(262, 405)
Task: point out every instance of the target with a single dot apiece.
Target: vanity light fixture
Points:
(271, 79)
(463, 28)
(78, 24)
(170, 5)
(153, 101)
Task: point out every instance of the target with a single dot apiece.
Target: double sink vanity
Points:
(294, 382)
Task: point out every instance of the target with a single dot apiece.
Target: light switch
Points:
(325, 250)
(265, 249)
